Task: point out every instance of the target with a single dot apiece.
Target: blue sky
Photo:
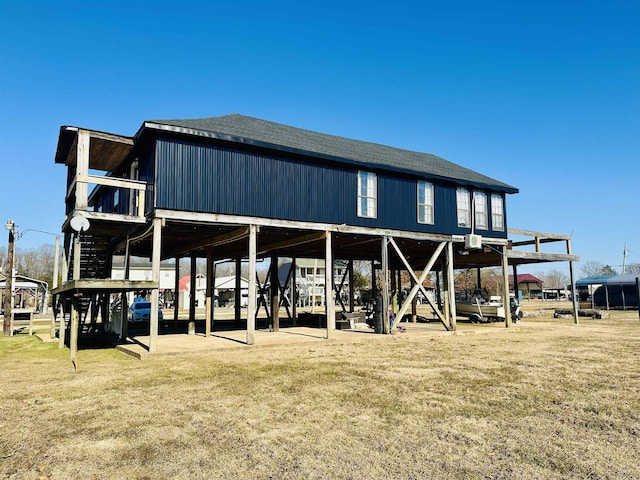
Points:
(541, 95)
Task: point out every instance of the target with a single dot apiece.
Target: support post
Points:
(193, 289)
(451, 287)
(176, 294)
(238, 293)
(124, 320)
(82, 170)
(352, 289)
(506, 301)
(574, 298)
(385, 284)
(275, 294)
(209, 301)
(155, 277)
(329, 292)
(73, 338)
(414, 304)
(294, 292)
(252, 303)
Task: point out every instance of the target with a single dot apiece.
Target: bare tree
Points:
(555, 279)
(632, 268)
(592, 268)
(36, 263)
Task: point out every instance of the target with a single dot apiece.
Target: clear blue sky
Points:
(542, 95)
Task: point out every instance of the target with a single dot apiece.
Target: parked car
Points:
(141, 312)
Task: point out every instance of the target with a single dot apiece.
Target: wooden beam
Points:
(82, 165)
(230, 237)
(506, 301)
(275, 293)
(219, 218)
(451, 289)
(292, 242)
(73, 338)
(155, 277)
(112, 181)
(329, 297)
(210, 297)
(251, 304)
(176, 293)
(192, 289)
(532, 233)
(384, 284)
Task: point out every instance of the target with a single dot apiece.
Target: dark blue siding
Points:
(214, 179)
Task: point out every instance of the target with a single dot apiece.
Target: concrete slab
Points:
(174, 344)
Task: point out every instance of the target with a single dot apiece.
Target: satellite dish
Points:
(79, 223)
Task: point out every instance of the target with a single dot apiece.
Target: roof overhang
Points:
(107, 151)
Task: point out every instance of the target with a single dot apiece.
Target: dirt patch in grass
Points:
(545, 399)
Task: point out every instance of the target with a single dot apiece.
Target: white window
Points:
(481, 212)
(497, 212)
(425, 202)
(116, 199)
(367, 194)
(463, 199)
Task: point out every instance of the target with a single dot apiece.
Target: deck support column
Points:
(82, 170)
(451, 287)
(124, 320)
(275, 294)
(574, 297)
(384, 284)
(210, 297)
(506, 300)
(176, 294)
(155, 277)
(329, 292)
(352, 290)
(252, 301)
(73, 335)
(193, 289)
(238, 293)
(294, 292)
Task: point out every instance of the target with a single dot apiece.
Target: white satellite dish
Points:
(79, 223)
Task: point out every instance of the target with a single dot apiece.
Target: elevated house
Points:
(237, 187)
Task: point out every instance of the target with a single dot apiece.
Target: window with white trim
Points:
(425, 202)
(497, 212)
(481, 212)
(463, 201)
(367, 194)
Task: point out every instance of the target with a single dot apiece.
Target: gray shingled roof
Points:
(254, 131)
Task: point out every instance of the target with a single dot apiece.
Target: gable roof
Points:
(526, 278)
(262, 133)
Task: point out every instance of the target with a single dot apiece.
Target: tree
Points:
(36, 263)
(555, 279)
(632, 268)
(593, 269)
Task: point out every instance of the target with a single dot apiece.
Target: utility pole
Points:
(8, 290)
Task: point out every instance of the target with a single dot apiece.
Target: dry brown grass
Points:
(546, 399)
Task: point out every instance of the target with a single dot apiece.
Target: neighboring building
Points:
(529, 286)
(310, 280)
(224, 291)
(609, 291)
(28, 293)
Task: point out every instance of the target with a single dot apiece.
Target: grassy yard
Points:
(545, 399)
